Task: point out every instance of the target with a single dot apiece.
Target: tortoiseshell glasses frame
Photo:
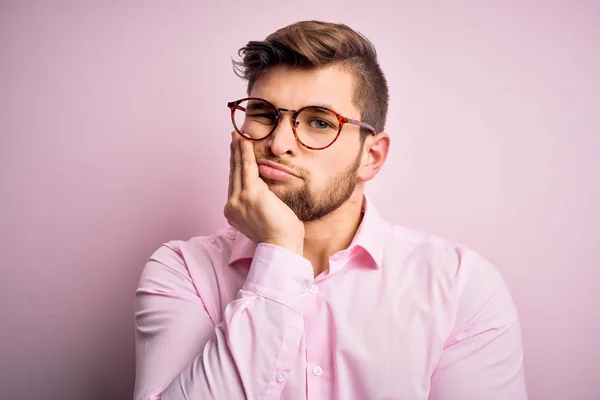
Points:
(235, 105)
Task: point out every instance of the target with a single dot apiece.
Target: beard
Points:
(309, 205)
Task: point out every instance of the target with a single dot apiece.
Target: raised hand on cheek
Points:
(252, 208)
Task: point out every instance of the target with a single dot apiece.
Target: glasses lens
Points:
(254, 119)
(317, 127)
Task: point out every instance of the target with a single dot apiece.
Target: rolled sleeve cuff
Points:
(278, 274)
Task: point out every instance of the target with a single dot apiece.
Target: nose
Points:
(283, 140)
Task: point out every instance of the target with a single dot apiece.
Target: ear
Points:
(375, 151)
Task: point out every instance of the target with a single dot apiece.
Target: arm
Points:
(483, 358)
(181, 354)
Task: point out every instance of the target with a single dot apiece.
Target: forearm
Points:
(258, 339)
(246, 354)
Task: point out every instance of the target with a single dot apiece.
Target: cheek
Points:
(259, 148)
(323, 175)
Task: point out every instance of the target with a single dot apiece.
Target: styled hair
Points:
(315, 45)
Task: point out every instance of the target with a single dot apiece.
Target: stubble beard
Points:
(309, 205)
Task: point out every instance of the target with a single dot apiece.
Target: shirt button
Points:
(314, 289)
(280, 377)
(317, 371)
(305, 286)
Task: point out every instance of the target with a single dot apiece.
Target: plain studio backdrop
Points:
(114, 138)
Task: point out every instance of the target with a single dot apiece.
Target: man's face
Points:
(325, 178)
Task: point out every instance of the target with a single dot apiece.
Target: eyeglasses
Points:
(314, 127)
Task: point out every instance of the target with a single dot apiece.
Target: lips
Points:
(274, 171)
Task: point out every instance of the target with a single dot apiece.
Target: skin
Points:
(317, 213)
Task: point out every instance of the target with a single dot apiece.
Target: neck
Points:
(332, 233)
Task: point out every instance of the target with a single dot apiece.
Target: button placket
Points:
(304, 287)
(280, 377)
(309, 287)
(317, 371)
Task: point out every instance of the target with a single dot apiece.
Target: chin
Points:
(281, 191)
(278, 188)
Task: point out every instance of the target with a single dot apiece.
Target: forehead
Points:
(294, 88)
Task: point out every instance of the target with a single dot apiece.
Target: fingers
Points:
(236, 172)
(243, 169)
(249, 165)
(231, 169)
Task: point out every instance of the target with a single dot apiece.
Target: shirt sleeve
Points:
(181, 354)
(483, 357)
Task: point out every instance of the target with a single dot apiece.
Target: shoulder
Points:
(196, 251)
(437, 251)
(192, 270)
(198, 259)
(453, 267)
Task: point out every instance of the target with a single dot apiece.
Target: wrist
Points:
(295, 245)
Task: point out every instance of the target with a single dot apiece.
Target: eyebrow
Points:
(320, 105)
(255, 105)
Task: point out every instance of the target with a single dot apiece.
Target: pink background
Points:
(114, 138)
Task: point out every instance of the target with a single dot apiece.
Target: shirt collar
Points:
(370, 237)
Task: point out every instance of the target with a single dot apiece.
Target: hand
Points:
(252, 208)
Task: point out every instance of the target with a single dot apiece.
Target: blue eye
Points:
(319, 124)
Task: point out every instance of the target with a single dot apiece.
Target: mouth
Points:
(271, 170)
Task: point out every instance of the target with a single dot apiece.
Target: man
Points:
(311, 294)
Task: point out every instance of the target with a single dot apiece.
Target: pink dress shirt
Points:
(399, 315)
